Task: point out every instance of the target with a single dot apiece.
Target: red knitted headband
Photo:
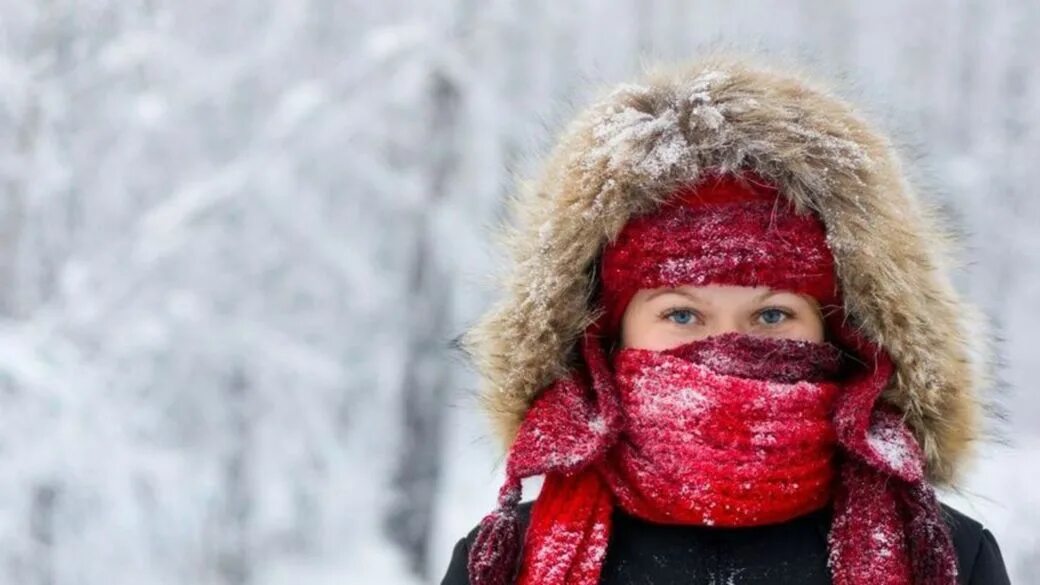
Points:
(725, 229)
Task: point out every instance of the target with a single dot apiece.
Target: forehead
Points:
(715, 292)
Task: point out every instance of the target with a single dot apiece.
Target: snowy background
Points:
(237, 239)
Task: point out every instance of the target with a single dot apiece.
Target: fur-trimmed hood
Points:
(627, 152)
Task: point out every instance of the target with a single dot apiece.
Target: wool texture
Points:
(729, 430)
(742, 449)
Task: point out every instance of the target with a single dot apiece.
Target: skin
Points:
(664, 318)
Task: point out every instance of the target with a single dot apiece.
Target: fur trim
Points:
(627, 153)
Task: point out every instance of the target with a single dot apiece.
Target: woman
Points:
(729, 344)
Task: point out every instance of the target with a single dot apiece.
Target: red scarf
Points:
(755, 445)
(731, 430)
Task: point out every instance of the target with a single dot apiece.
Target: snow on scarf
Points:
(600, 435)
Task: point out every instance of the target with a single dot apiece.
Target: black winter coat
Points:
(793, 552)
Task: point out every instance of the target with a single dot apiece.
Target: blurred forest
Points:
(238, 238)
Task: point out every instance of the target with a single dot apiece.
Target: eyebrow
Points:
(673, 291)
(692, 296)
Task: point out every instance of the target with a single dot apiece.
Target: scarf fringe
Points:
(931, 545)
(494, 555)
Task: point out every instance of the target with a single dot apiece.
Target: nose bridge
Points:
(728, 321)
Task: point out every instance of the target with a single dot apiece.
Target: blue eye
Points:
(778, 314)
(680, 316)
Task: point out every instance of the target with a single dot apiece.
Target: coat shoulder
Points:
(965, 530)
(979, 559)
(968, 533)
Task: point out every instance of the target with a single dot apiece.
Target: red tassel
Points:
(494, 555)
(931, 546)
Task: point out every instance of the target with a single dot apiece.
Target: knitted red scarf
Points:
(730, 430)
(700, 446)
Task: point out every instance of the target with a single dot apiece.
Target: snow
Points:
(704, 113)
(622, 130)
(656, 399)
(890, 444)
(212, 221)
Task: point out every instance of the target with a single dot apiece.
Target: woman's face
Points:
(664, 318)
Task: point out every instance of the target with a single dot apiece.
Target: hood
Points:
(627, 152)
